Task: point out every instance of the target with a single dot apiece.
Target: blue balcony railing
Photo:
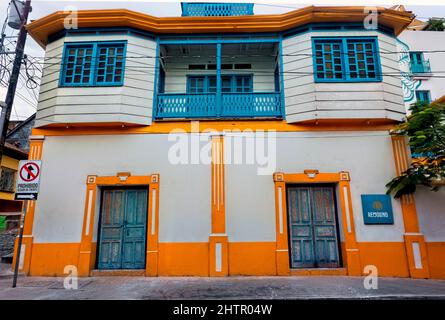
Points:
(423, 67)
(186, 105)
(233, 105)
(190, 9)
(251, 104)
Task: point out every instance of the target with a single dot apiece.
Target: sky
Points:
(25, 103)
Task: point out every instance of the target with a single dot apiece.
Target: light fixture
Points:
(311, 174)
(123, 176)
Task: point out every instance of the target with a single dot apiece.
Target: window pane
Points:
(328, 63)
(77, 66)
(110, 62)
(196, 84)
(362, 59)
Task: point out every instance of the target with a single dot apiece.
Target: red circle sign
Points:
(29, 172)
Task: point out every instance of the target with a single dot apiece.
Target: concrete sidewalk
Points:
(313, 287)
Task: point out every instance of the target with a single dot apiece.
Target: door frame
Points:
(342, 182)
(337, 228)
(100, 217)
(88, 248)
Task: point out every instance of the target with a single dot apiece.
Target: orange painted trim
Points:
(218, 256)
(412, 235)
(87, 253)
(42, 28)
(35, 153)
(421, 270)
(402, 162)
(151, 259)
(162, 127)
(342, 179)
(218, 186)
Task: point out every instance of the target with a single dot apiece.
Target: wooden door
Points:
(313, 239)
(123, 229)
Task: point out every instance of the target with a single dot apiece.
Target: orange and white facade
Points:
(217, 214)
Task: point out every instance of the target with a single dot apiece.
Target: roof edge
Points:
(42, 28)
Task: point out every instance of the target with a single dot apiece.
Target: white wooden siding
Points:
(306, 100)
(130, 103)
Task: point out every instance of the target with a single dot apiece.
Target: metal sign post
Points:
(19, 246)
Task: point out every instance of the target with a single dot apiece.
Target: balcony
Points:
(233, 105)
(218, 81)
(216, 9)
(421, 67)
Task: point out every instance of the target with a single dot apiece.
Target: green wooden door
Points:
(312, 227)
(123, 229)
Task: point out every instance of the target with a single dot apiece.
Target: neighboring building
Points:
(115, 194)
(19, 135)
(423, 64)
(16, 149)
(10, 162)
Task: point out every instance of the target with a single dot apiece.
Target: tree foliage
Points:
(435, 25)
(425, 129)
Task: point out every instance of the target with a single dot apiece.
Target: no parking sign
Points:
(28, 180)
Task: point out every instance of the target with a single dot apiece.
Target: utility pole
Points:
(7, 106)
(19, 51)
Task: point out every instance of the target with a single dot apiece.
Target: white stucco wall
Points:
(185, 213)
(366, 155)
(184, 191)
(431, 213)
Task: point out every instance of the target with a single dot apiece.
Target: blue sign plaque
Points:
(377, 209)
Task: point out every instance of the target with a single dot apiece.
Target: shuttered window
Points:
(423, 96)
(93, 64)
(229, 84)
(346, 60)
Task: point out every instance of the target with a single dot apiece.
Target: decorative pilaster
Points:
(414, 240)
(85, 263)
(282, 249)
(153, 227)
(35, 153)
(352, 251)
(218, 241)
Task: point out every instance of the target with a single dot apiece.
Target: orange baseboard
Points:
(50, 259)
(389, 258)
(183, 259)
(436, 259)
(252, 258)
(244, 258)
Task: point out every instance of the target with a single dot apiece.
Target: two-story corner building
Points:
(140, 124)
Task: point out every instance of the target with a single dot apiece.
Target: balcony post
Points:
(218, 80)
